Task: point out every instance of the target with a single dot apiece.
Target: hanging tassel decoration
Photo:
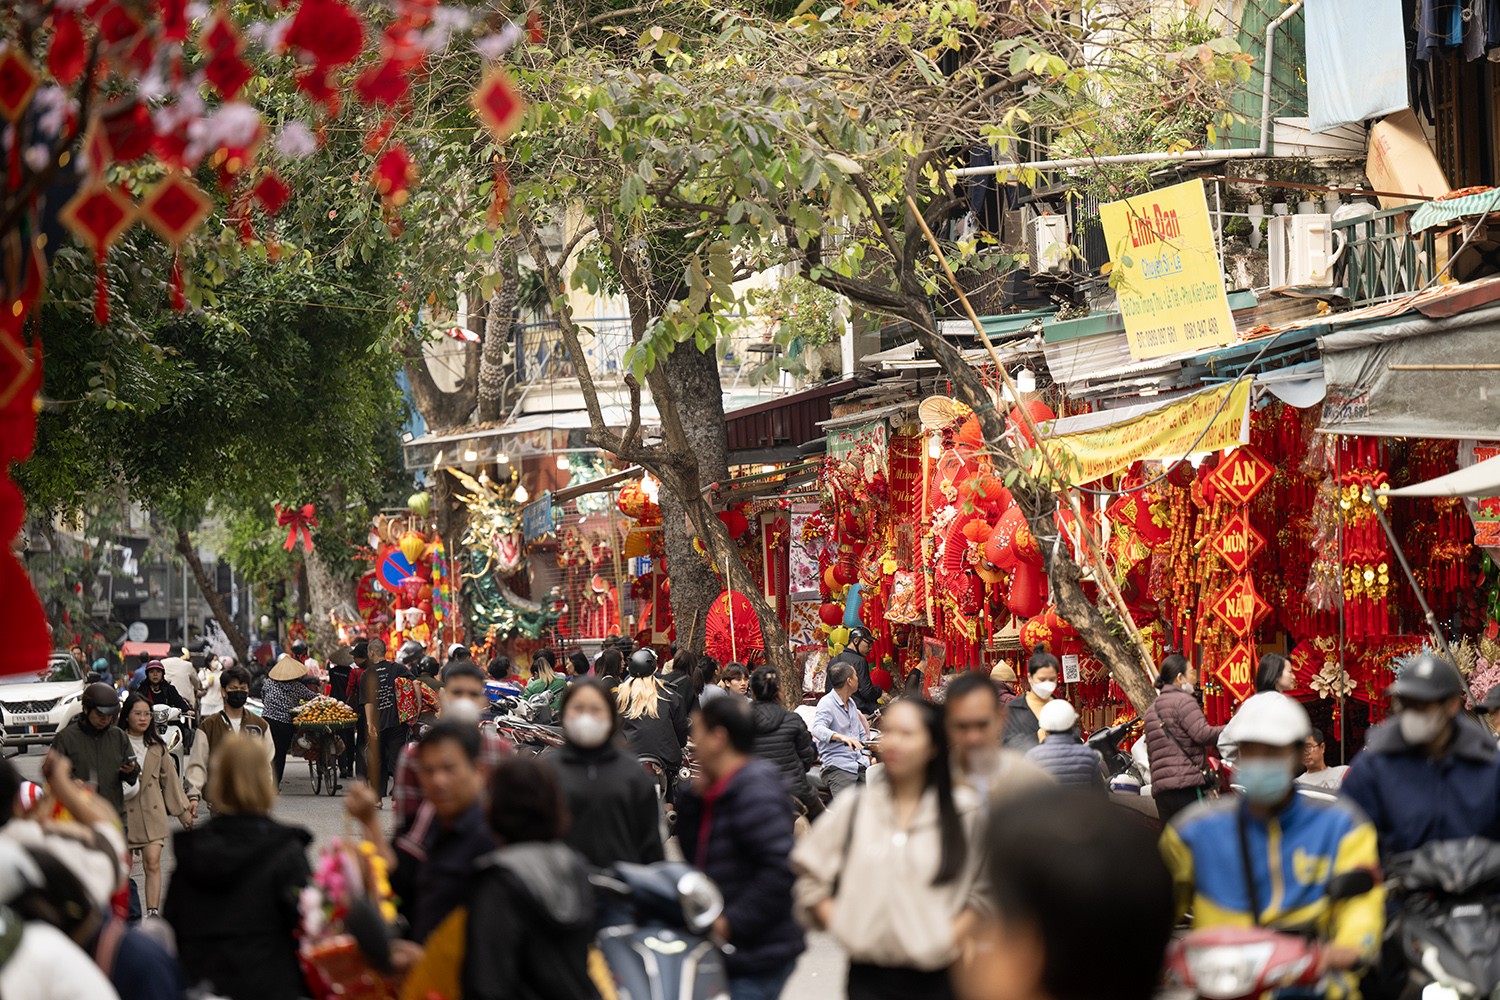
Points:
(101, 289)
(179, 300)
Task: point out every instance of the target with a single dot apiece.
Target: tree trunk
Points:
(327, 592)
(692, 378)
(215, 599)
(497, 327)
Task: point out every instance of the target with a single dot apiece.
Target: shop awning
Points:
(152, 650)
(1415, 377)
(1092, 446)
(1482, 479)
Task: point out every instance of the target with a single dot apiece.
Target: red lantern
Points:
(1028, 591)
(831, 615)
(1040, 412)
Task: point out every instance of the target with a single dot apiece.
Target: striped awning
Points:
(1446, 211)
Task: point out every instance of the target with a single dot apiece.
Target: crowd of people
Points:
(961, 846)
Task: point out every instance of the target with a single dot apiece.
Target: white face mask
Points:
(1420, 728)
(1188, 686)
(1043, 689)
(461, 710)
(588, 731)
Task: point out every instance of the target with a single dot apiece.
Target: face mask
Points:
(1420, 728)
(1266, 782)
(1043, 689)
(464, 711)
(588, 731)
(1188, 686)
(236, 699)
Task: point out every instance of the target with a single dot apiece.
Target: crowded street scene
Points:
(661, 500)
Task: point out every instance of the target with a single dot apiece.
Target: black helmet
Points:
(101, 698)
(299, 649)
(859, 632)
(643, 663)
(427, 665)
(410, 650)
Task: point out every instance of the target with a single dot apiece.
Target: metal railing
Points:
(1378, 260)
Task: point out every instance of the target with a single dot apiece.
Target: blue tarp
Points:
(1356, 61)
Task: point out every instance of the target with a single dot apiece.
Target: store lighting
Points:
(562, 461)
(504, 459)
(471, 455)
(520, 495)
(1026, 380)
(768, 468)
(484, 478)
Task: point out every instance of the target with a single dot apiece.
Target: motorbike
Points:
(1106, 742)
(172, 725)
(525, 722)
(1447, 919)
(666, 949)
(1243, 963)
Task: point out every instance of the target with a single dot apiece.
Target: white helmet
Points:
(1270, 718)
(1057, 716)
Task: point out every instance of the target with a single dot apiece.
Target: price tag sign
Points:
(1071, 673)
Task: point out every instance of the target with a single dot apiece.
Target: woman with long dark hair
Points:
(892, 870)
(1177, 740)
(157, 795)
(613, 804)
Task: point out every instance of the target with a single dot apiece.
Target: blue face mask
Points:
(1266, 782)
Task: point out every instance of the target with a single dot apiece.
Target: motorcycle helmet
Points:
(643, 663)
(1427, 677)
(427, 665)
(858, 633)
(299, 649)
(410, 650)
(100, 697)
(1269, 718)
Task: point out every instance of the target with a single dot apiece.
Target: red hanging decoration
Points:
(271, 192)
(18, 81)
(731, 630)
(298, 522)
(394, 173)
(98, 215)
(499, 104)
(68, 53)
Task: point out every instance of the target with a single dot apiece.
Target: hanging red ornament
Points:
(501, 200)
(731, 632)
(98, 215)
(18, 81)
(271, 192)
(174, 21)
(1040, 413)
(534, 27)
(499, 104)
(128, 130)
(173, 208)
(328, 32)
(384, 83)
(393, 176)
(68, 53)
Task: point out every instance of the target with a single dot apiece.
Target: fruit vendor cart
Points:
(325, 728)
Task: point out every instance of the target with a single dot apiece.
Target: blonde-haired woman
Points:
(233, 898)
(650, 717)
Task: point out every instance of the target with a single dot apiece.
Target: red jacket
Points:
(1177, 741)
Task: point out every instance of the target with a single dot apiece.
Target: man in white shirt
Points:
(1318, 774)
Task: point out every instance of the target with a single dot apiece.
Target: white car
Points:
(34, 707)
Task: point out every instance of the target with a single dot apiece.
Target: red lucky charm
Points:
(328, 32)
(1237, 671)
(298, 522)
(18, 81)
(384, 83)
(173, 208)
(1237, 543)
(271, 192)
(1242, 475)
(499, 104)
(224, 68)
(393, 175)
(68, 53)
(501, 200)
(98, 215)
(534, 27)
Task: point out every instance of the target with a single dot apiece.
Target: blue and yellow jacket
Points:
(1293, 856)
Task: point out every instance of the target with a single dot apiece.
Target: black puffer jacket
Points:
(782, 740)
(233, 905)
(612, 802)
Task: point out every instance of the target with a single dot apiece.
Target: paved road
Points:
(819, 975)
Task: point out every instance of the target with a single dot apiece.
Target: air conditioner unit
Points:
(1301, 250)
(1047, 244)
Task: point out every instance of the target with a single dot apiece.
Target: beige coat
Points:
(158, 796)
(887, 911)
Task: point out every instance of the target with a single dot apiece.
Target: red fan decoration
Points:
(731, 631)
(1040, 412)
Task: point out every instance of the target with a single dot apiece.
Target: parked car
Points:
(34, 707)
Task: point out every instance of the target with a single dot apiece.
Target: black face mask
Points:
(236, 699)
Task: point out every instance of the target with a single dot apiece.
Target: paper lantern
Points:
(1035, 632)
(420, 503)
(1040, 413)
(1028, 591)
(735, 522)
(831, 614)
(413, 546)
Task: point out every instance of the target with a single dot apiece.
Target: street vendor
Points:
(283, 692)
